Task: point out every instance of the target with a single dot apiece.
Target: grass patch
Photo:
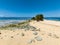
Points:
(18, 25)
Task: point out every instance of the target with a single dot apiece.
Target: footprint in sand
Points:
(53, 35)
(1, 37)
(30, 41)
(12, 37)
(17, 34)
(5, 35)
(13, 30)
(0, 32)
(22, 34)
(50, 34)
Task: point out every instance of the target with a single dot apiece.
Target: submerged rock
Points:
(30, 41)
(35, 33)
(28, 27)
(38, 38)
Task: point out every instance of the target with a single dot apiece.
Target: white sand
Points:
(49, 32)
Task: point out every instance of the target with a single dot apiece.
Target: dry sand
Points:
(49, 34)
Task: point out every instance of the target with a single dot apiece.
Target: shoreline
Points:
(20, 21)
(7, 22)
(52, 22)
(46, 22)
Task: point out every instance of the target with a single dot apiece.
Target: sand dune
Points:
(49, 34)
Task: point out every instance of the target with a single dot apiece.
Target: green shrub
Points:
(12, 25)
(39, 17)
(33, 18)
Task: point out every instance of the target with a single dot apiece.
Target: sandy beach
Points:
(47, 33)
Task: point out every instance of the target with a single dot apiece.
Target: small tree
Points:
(39, 17)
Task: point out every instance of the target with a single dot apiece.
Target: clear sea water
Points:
(53, 18)
(15, 18)
(27, 18)
(12, 20)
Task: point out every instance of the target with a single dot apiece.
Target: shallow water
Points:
(6, 22)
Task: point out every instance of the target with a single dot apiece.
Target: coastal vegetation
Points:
(22, 25)
(38, 17)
